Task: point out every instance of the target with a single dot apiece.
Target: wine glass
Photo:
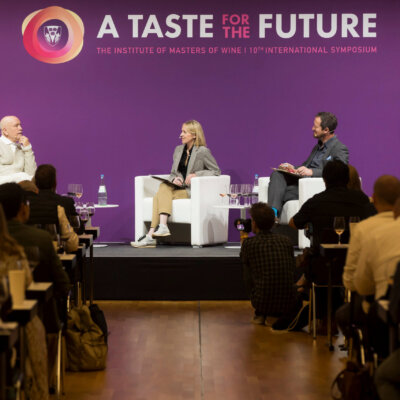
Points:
(78, 190)
(246, 193)
(91, 209)
(339, 225)
(71, 191)
(234, 190)
(224, 193)
(84, 215)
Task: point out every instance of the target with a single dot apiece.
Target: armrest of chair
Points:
(263, 183)
(205, 193)
(308, 187)
(205, 190)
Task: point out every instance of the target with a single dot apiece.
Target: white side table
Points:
(101, 206)
(242, 215)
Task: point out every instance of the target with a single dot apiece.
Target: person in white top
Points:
(386, 191)
(17, 161)
(379, 256)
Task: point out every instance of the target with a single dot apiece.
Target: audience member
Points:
(386, 191)
(12, 256)
(49, 269)
(268, 265)
(284, 187)
(47, 207)
(337, 200)
(379, 255)
(17, 161)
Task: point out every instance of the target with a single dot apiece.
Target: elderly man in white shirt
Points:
(17, 161)
(386, 191)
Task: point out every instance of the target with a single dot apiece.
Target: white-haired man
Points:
(17, 161)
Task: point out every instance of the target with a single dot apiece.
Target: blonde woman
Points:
(192, 158)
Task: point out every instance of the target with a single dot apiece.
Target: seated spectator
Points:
(268, 266)
(49, 269)
(47, 207)
(379, 255)
(386, 191)
(336, 200)
(355, 184)
(319, 213)
(12, 256)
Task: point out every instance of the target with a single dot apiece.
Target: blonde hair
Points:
(8, 245)
(194, 127)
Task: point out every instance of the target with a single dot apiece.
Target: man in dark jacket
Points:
(268, 262)
(44, 204)
(283, 186)
(49, 269)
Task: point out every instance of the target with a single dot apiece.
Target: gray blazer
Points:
(21, 161)
(336, 150)
(201, 163)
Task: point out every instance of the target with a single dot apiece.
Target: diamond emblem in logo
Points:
(52, 34)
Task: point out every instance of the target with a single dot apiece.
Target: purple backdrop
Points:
(120, 115)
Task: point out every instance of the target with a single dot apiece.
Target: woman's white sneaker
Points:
(162, 231)
(145, 241)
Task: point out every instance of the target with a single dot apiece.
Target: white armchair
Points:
(208, 225)
(308, 187)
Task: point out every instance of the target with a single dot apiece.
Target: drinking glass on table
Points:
(84, 215)
(224, 194)
(71, 191)
(234, 190)
(78, 190)
(247, 194)
(339, 225)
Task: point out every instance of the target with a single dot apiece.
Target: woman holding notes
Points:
(192, 158)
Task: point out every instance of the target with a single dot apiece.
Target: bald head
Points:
(386, 192)
(11, 128)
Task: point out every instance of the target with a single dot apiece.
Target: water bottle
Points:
(102, 193)
(255, 189)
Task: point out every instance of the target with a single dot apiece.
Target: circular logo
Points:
(53, 35)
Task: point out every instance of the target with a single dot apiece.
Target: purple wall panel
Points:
(121, 114)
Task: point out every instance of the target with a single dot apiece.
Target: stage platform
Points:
(168, 273)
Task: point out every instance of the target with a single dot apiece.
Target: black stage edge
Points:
(168, 273)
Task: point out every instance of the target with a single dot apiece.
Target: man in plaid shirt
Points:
(268, 267)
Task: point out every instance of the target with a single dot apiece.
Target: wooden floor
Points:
(203, 350)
